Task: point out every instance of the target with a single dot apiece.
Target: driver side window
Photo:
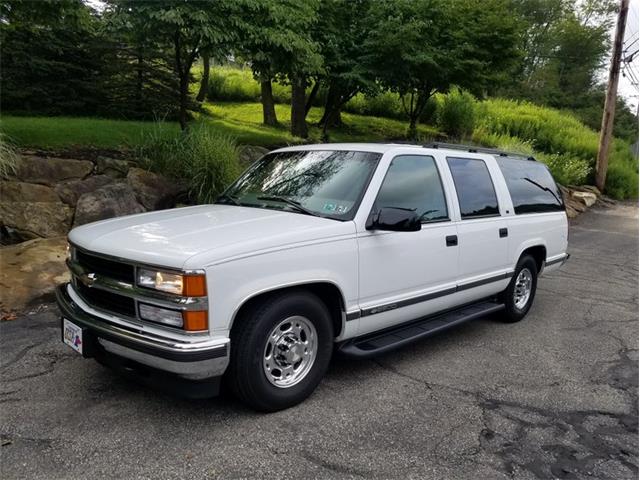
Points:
(413, 182)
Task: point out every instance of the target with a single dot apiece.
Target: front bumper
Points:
(198, 358)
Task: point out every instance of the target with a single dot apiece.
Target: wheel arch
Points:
(539, 254)
(329, 292)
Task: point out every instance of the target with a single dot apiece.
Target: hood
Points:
(194, 237)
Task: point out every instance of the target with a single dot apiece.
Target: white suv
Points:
(356, 248)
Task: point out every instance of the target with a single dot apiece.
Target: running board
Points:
(390, 339)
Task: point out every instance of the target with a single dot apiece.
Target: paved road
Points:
(555, 396)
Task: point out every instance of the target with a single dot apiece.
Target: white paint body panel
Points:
(247, 251)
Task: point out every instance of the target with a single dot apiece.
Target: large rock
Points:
(251, 153)
(33, 210)
(113, 167)
(30, 271)
(113, 200)
(71, 190)
(50, 171)
(153, 191)
(588, 198)
(26, 192)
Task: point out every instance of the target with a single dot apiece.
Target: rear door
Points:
(482, 230)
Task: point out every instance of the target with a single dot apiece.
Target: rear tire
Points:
(519, 295)
(280, 350)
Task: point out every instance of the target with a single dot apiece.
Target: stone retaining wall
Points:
(48, 195)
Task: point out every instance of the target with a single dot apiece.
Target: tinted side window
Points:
(413, 182)
(476, 194)
(531, 186)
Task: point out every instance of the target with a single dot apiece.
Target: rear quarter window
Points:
(532, 188)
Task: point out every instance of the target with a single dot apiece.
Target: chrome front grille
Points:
(105, 300)
(106, 267)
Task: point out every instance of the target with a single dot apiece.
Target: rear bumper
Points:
(196, 359)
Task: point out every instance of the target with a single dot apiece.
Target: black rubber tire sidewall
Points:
(247, 377)
(512, 313)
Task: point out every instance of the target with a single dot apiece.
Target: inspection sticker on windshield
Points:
(72, 335)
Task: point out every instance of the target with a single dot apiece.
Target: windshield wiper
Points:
(546, 189)
(292, 203)
(226, 198)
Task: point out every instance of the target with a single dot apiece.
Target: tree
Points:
(342, 30)
(137, 69)
(187, 28)
(563, 44)
(279, 35)
(49, 57)
(420, 47)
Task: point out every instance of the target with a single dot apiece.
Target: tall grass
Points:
(230, 84)
(206, 159)
(567, 145)
(8, 157)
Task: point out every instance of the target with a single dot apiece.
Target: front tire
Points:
(519, 295)
(280, 350)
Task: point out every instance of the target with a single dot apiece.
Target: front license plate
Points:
(72, 335)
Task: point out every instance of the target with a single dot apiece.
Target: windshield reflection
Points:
(316, 182)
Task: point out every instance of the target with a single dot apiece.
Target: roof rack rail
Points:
(478, 149)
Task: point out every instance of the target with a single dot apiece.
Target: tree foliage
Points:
(48, 62)
(420, 47)
(134, 58)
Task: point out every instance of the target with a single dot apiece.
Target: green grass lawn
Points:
(64, 132)
(240, 120)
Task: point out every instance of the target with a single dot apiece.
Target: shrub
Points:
(205, 159)
(456, 114)
(622, 181)
(386, 104)
(8, 157)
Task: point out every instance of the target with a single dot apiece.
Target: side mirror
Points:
(395, 220)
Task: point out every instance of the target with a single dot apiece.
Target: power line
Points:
(630, 45)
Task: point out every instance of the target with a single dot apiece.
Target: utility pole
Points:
(610, 100)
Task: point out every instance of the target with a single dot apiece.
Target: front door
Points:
(405, 275)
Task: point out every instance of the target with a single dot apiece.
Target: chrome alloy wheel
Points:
(290, 351)
(522, 290)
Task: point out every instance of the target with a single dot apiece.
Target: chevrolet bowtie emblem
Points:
(88, 279)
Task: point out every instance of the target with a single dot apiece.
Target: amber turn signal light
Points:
(195, 320)
(194, 286)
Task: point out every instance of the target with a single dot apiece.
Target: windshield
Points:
(313, 182)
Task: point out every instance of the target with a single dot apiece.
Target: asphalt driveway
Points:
(554, 396)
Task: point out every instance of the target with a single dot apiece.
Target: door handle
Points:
(504, 232)
(452, 240)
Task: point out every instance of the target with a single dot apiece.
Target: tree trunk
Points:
(412, 133)
(298, 107)
(183, 116)
(268, 105)
(204, 81)
(139, 82)
(312, 97)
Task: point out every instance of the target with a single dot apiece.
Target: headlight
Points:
(187, 285)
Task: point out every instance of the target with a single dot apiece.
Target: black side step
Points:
(377, 343)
